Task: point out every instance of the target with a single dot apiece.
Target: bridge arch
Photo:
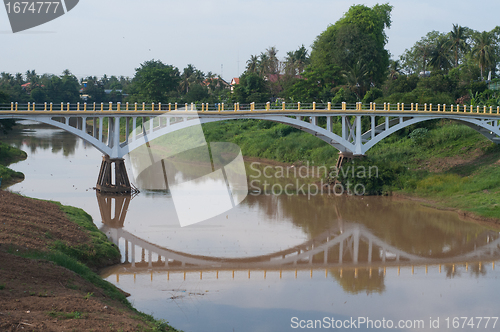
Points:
(353, 140)
(81, 133)
(487, 128)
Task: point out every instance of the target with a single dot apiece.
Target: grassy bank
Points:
(448, 163)
(9, 155)
(41, 232)
(268, 140)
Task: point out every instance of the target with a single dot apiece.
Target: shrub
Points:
(418, 136)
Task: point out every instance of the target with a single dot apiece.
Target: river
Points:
(278, 262)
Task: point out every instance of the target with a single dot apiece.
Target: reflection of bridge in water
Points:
(347, 245)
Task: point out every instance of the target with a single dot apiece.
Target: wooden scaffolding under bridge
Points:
(344, 158)
(121, 183)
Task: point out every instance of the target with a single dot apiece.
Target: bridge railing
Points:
(236, 107)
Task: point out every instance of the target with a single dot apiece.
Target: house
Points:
(215, 82)
(234, 81)
(27, 87)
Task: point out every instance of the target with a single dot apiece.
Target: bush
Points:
(282, 130)
(376, 178)
(418, 136)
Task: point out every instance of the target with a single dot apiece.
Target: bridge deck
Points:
(291, 112)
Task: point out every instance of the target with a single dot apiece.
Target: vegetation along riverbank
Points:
(9, 155)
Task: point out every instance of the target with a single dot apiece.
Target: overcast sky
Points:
(114, 37)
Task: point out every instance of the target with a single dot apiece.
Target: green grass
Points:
(265, 139)
(8, 155)
(9, 176)
(67, 315)
(100, 253)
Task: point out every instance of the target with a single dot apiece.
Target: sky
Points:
(114, 37)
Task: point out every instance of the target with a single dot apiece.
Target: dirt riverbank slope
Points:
(39, 295)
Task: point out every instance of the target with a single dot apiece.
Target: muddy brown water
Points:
(278, 262)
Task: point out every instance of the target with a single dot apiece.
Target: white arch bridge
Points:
(361, 128)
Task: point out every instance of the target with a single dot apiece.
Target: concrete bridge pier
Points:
(117, 184)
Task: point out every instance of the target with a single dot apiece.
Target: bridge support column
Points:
(114, 218)
(105, 183)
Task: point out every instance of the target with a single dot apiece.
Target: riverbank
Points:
(48, 277)
(9, 155)
(441, 161)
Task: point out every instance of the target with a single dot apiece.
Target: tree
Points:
(483, 50)
(440, 55)
(273, 64)
(70, 87)
(252, 64)
(190, 76)
(416, 59)
(394, 69)
(296, 61)
(357, 78)
(458, 41)
(252, 88)
(357, 37)
(38, 95)
(95, 90)
(316, 85)
(154, 81)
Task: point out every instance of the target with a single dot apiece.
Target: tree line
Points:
(347, 62)
(154, 81)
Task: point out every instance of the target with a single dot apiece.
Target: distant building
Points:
(27, 87)
(235, 81)
(215, 82)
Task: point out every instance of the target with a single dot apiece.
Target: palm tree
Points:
(357, 77)
(31, 77)
(424, 49)
(263, 67)
(458, 41)
(19, 79)
(440, 56)
(483, 50)
(6, 78)
(296, 61)
(190, 76)
(302, 58)
(252, 64)
(394, 69)
(273, 62)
